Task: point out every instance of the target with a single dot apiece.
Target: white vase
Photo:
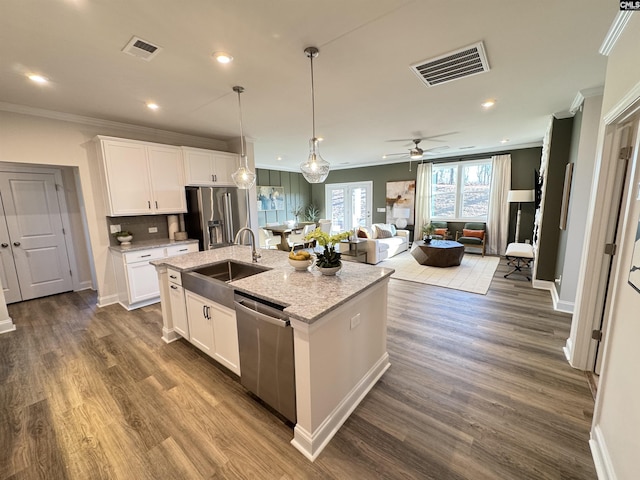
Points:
(125, 240)
(329, 270)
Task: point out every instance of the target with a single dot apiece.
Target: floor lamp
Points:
(520, 196)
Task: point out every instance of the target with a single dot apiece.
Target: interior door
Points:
(8, 274)
(36, 234)
(349, 205)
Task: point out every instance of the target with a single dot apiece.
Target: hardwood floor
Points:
(478, 389)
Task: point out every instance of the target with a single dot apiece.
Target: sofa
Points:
(379, 245)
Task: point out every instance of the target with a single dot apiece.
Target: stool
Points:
(519, 255)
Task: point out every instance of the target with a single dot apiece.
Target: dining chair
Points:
(298, 239)
(268, 240)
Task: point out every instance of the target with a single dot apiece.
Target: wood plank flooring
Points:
(478, 389)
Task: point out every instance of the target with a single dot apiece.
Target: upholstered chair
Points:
(474, 234)
(441, 231)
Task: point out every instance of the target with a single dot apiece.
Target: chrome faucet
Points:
(254, 253)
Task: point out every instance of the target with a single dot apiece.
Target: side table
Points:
(353, 251)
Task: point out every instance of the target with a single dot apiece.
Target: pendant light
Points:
(242, 177)
(315, 169)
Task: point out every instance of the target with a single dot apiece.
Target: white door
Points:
(225, 335)
(198, 166)
(143, 282)
(36, 234)
(200, 328)
(167, 180)
(348, 205)
(223, 167)
(8, 274)
(128, 178)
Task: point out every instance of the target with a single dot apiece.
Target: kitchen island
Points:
(339, 331)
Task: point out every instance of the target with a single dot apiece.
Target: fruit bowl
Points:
(300, 264)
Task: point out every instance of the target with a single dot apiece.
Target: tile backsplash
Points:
(139, 227)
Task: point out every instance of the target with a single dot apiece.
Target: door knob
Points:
(5, 245)
(17, 244)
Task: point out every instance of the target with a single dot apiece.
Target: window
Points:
(460, 190)
(349, 205)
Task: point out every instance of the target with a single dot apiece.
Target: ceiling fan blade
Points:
(435, 150)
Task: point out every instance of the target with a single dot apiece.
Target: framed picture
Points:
(270, 198)
(400, 202)
(566, 194)
(634, 271)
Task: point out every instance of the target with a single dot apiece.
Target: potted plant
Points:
(328, 262)
(312, 213)
(427, 231)
(298, 212)
(123, 237)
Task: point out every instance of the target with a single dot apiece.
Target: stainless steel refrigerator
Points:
(215, 214)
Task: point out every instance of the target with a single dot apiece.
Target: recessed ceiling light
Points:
(320, 139)
(279, 157)
(152, 106)
(488, 104)
(504, 140)
(223, 57)
(38, 78)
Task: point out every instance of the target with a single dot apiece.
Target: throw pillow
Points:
(363, 233)
(441, 231)
(473, 233)
(383, 232)
(392, 228)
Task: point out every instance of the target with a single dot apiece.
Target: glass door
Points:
(349, 205)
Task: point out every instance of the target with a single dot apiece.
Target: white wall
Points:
(616, 425)
(39, 140)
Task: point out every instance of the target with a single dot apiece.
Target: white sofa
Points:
(380, 248)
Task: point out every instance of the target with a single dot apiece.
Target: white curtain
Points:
(498, 217)
(423, 199)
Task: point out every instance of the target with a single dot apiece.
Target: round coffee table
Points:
(438, 253)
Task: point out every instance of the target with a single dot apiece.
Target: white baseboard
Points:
(170, 335)
(558, 305)
(568, 350)
(87, 285)
(564, 306)
(310, 445)
(107, 300)
(600, 454)
(542, 284)
(7, 326)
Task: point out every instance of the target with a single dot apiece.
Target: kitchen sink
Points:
(212, 281)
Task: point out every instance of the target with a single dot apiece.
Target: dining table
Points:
(285, 230)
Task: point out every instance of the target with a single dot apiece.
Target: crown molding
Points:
(615, 30)
(101, 123)
(582, 94)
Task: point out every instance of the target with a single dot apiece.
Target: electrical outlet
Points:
(114, 228)
(355, 321)
(381, 210)
(153, 229)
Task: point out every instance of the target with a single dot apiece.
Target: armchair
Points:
(474, 234)
(441, 230)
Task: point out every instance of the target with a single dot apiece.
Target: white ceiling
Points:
(541, 53)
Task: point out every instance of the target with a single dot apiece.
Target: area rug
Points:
(473, 275)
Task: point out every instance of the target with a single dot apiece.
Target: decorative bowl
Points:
(300, 264)
(329, 271)
(125, 240)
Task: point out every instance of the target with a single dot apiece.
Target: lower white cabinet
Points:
(137, 279)
(177, 305)
(213, 329)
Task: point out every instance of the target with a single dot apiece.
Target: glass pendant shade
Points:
(242, 177)
(315, 169)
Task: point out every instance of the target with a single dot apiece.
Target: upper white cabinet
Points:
(142, 178)
(209, 167)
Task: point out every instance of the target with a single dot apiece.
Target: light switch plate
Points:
(381, 209)
(355, 321)
(153, 229)
(114, 228)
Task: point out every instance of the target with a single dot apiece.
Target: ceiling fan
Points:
(416, 153)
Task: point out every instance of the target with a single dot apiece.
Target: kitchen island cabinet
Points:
(339, 327)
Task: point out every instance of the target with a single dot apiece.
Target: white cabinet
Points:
(214, 330)
(137, 279)
(141, 178)
(177, 304)
(209, 167)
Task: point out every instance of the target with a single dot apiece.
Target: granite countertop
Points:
(307, 295)
(144, 244)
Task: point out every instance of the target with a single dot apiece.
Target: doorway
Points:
(34, 258)
(349, 205)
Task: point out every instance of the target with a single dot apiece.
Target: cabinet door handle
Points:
(5, 245)
(17, 244)
(213, 179)
(204, 311)
(156, 204)
(147, 255)
(172, 276)
(174, 287)
(208, 312)
(182, 250)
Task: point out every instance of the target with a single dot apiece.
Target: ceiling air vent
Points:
(461, 63)
(141, 49)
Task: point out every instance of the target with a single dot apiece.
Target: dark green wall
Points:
(524, 163)
(559, 155)
(297, 191)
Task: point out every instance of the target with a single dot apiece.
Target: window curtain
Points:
(498, 217)
(423, 199)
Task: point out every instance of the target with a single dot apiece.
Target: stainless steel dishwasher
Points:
(265, 338)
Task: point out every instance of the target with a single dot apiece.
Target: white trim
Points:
(626, 107)
(7, 326)
(581, 95)
(170, 335)
(615, 30)
(600, 454)
(312, 445)
(563, 306)
(86, 285)
(167, 135)
(568, 349)
(543, 285)
(107, 300)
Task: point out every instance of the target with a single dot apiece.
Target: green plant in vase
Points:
(427, 231)
(329, 258)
